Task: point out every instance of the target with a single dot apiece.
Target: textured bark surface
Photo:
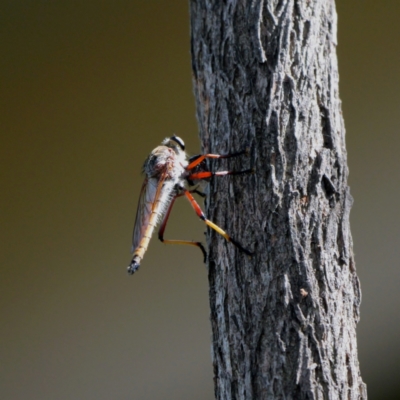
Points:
(283, 322)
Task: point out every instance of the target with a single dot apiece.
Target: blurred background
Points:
(87, 89)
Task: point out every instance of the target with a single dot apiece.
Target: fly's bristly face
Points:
(177, 145)
(173, 142)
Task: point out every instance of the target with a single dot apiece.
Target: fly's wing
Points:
(148, 202)
(143, 212)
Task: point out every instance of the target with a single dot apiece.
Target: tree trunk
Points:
(283, 321)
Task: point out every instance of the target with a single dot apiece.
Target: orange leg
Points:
(208, 174)
(168, 241)
(201, 215)
(202, 157)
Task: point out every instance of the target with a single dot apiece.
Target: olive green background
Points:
(87, 89)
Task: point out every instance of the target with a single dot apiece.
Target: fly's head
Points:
(175, 143)
(166, 157)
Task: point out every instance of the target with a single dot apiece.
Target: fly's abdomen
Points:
(144, 241)
(153, 212)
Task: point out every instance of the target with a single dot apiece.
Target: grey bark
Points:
(283, 321)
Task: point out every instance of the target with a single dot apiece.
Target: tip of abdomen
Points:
(133, 266)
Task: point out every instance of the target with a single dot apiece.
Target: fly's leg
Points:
(168, 241)
(201, 194)
(208, 174)
(201, 215)
(196, 160)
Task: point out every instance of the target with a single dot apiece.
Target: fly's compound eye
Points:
(178, 140)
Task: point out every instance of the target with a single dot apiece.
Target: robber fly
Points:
(168, 170)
